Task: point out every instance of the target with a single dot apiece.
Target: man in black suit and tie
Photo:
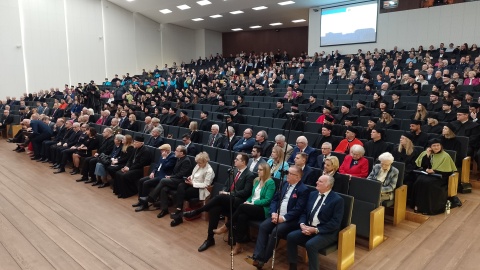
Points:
(191, 149)
(215, 139)
(123, 121)
(285, 210)
(319, 223)
(125, 183)
(235, 192)
(58, 134)
(183, 167)
(90, 163)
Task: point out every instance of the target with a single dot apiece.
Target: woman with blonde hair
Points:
(275, 162)
(421, 113)
(256, 207)
(195, 186)
(119, 162)
(406, 152)
(195, 135)
(386, 121)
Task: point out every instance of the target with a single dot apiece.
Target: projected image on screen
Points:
(349, 24)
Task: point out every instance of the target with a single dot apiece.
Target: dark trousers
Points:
(37, 143)
(312, 243)
(266, 237)
(241, 219)
(65, 156)
(55, 151)
(46, 148)
(146, 184)
(219, 205)
(162, 189)
(185, 192)
(88, 168)
(125, 184)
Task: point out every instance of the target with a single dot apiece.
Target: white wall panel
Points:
(45, 43)
(178, 44)
(119, 41)
(200, 43)
(12, 68)
(428, 26)
(85, 41)
(213, 42)
(148, 43)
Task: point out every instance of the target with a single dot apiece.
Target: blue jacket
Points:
(296, 202)
(330, 214)
(39, 127)
(278, 173)
(167, 166)
(244, 145)
(310, 151)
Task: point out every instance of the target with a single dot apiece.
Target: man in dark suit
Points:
(58, 133)
(235, 192)
(285, 210)
(319, 223)
(303, 147)
(123, 120)
(255, 160)
(229, 140)
(39, 133)
(172, 118)
(183, 167)
(125, 181)
(246, 143)
(90, 163)
(56, 158)
(314, 105)
(7, 119)
(215, 139)
(156, 140)
(280, 111)
(191, 149)
(159, 170)
(236, 116)
(261, 140)
(56, 113)
(326, 137)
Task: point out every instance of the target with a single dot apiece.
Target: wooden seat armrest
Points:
(377, 227)
(346, 247)
(400, 205)
(453, 184)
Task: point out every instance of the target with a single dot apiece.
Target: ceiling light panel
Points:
(165, 11)
(286, 3)
(260, 8)
(197, 19)
(216, 16)
(204, 2)
(183, 7)
(236, 12)
(276, 24)
(237, 29)
(299, 21)
(256, 26)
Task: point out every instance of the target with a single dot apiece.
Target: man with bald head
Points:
(303, 147)
(39, 133)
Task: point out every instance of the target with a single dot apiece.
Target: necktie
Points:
(213, 140)
(232, 187)
(315, 209)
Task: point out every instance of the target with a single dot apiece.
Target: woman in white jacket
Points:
(195, 186)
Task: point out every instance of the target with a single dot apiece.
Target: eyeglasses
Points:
(326, 148)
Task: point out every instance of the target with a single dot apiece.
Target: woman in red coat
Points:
(355, 164)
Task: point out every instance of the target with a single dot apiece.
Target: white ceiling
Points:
(274, 13)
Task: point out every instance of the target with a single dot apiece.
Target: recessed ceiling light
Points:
(286, 3)
(130, 0)
(255, 26)
(197, 19)
(216, 16)
(183, 7)
(275, 24)
(236, 12)
(237, 29)
(260, 8)
(165, 11)
(204, 2)
(299, 20)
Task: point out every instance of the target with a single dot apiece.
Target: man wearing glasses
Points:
(246, 143)
(236, 191)
(285, 209)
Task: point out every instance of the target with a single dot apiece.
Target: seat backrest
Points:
(453, 154)
(347, 210)
(365, 190)
(342, 183)
(400, 166)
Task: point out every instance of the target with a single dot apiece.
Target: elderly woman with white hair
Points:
(355, 164)
(385, 173)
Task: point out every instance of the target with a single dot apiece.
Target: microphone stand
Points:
(232, 198)
(280, 187)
